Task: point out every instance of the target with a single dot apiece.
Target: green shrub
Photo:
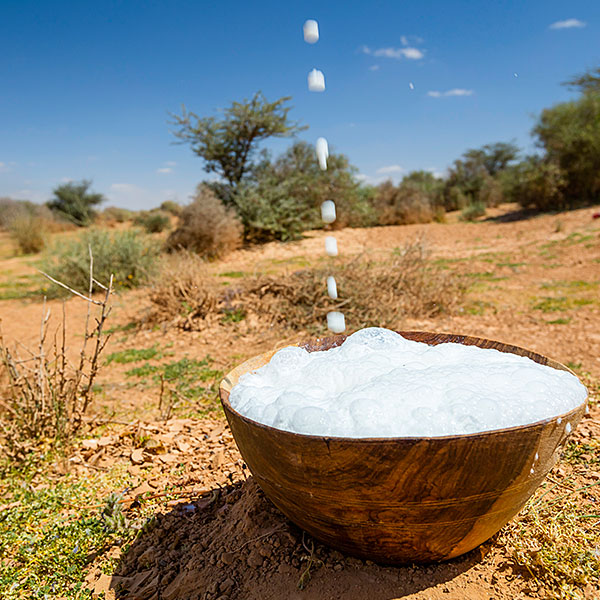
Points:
(472, 211)
(29, 231)
(206, 227)
(116, 214)
(73, 202)
(171, 207)
(153, 221)
(491, 193)
(130, 256)
(540, 184)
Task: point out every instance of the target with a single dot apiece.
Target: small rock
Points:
(338, 567)
(255, 560)
(137, 456)
(228, 558)
(90, 444)
(226, 585)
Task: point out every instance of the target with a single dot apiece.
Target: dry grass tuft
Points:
(370, 293)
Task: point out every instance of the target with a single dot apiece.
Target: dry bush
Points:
(29, 232)
(184, 296)
(206, 227)
(402, 205)
(370, 294)
(44, 398)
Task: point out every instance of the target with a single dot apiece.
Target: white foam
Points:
(331, 246)
(311, 31)
(322, 153)
(328, 211)
(336, 322)
(332, 287)
(379, 384)
(316, 81)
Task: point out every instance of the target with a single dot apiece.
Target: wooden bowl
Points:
(400, 500)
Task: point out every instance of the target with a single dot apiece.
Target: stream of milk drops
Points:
(316, 83)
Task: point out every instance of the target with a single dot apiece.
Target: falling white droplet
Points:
(311, 31)
(559, 420)
(411, 85)
(328, 211)
(516, 74)
(568, 428)
(537, 456)
(322, 153)
(331, 246)
(531, 470)
(316, 81)
(332, 287)
(336, 322)
(587, 409)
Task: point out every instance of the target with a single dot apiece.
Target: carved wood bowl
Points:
(400, 500)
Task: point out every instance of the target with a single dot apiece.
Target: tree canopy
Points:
(73, 202)
(228, 145)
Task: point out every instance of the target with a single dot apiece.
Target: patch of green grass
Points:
(134, 355)
(573, 365)
(478, 307)
(190, 380)
(561, 321)
(233, 274)
(559, 303)
(51, 532)
(26, 286)
(486, 276)
(127, 327)
(233, 316)
(512, 265)
(577, 284)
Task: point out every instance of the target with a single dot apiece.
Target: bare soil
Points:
(535, 284)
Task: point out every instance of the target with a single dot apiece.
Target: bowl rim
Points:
(225, 388)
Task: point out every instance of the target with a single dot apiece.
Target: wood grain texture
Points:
(400, 500)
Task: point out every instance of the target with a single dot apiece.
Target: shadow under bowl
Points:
(400, 500)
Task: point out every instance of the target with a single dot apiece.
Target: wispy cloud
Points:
(171, 163)
(452, 92)
(374, 68)
(567, 24)
(391, 52)
(389, 169)
(164, 170)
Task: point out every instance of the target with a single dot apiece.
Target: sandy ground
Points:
(227, 541)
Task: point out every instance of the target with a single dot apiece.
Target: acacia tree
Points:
(228, 145)
(73, 202)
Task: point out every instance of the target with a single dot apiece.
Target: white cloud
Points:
(164, 170)
(374, 68)
(404, 40)
(171, 163)
(389, 169)
(568, 24)
(397, 53)
(452, 92)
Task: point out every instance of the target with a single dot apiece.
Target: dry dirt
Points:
(222, 539)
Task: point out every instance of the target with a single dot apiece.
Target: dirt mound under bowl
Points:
(400, 500)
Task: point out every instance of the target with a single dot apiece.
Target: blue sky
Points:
(86, 87)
